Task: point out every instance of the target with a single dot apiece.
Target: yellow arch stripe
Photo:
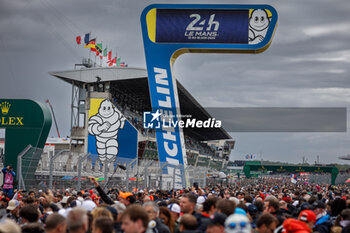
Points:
(151, 24)
(269, 14)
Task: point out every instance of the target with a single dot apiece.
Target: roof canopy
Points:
(134, 82)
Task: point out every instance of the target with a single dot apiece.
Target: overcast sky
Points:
(307, 64)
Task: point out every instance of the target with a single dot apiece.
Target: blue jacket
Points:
(4, 170)
(324, 224)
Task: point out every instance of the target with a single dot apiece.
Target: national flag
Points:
(105, 52)
(92, 45)
(109, 55)
(87, 38)
(293, 179)
(118, 62)
(91, 42)
(99, 47)
(78, 39)
(122, 64)
(113, 61)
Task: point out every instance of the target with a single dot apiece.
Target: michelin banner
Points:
(111, 138)
(170, 30)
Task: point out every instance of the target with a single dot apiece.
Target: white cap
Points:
(65, 199)
(64, 212)
(200, 200)
(173, 207)
(12, 205)
(88, 205)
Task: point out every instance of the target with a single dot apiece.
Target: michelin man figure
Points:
(237, 223)
(258, 24)
(105, 126)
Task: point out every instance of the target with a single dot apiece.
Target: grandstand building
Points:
(128, 89)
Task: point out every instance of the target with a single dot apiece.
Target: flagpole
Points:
(95, 50)
(101, 53)
(89, 48)
(104, 59)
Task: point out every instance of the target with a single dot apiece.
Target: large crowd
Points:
(243, 207)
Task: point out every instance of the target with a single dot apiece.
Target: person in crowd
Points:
(102, 224)
(9, 178)
(303, 224)
(13, 208)
(127, 198)
(253, 213)
(309, 217)
(338, 205)
(237, 223)
(55, 223)
(77, 220)
(101, 212)
(216, 224)
(175, 211)
(29, 214)
(209, 208)
(33, 228)
(266, 223)
(101, 192)
(188, 223)
(344, 221)
(272, 206)
(9, 226)
(323, 221)
(116, 223)
(167, 218)
(188, 203)
(134, 219)
(225, 206)
(155, 222)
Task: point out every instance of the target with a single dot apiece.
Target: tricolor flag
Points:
(293, 179)
(91, 44)
(78, 39)
(118, 62)
(87, 38)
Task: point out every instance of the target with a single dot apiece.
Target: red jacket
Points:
(292, 225)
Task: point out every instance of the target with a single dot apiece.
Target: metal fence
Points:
(64, 169)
